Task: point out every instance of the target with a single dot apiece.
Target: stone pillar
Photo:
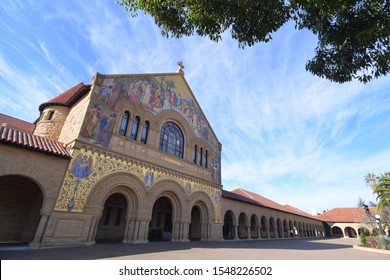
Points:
(185, 228)
(236, 232)
(36, 243)
(248, 229)
(92, 230)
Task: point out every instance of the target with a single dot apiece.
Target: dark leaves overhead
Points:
(353, 35)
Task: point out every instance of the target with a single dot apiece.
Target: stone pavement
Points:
(273, 249)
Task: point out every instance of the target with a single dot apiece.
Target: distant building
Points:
(348, 222)
(127, 158)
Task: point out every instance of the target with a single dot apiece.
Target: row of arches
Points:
(348, 231)
(266, 227)
(112, 225)
(120, 212)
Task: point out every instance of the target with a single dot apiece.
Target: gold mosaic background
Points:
(87, 169)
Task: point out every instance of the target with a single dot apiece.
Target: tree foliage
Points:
(353, 35)
(382, 189)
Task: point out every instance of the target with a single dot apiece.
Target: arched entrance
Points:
(279, 228)
(112, 224)
(21, 201)
(264, 227)
(362, 229)
(228, 226)
(242, 226)
(254, 226)
(272, 229)
(337, 232)
(196, 225)
(160, 227)
(350, 232)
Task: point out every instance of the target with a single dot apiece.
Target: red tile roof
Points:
(69, 97)
(15, 123)
(32, 142)
(256, 199)
(346, 215)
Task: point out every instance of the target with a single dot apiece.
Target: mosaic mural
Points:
(87, 169)
(155, 94)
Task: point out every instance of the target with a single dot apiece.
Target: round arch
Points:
(285, 228)
(229, 225)
(272, 228)
(202, 202)
(111, 227)
(179, 203)
(243, 225)
(279, 228)
(291, 232)
(264, 227)
(125, 183)
(350, 232)
(21, 209)
(254, 226)
(362, 229)
(337, 232)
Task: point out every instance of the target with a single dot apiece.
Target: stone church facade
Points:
(127, 158)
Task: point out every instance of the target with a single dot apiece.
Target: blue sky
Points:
(287, 135)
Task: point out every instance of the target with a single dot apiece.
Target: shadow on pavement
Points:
(112, 250)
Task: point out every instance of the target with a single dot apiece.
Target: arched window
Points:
(124, 123)
(134, 128)
(144, 133)
(206, 158)
(201, 156)
(171, 139)
(194, 159)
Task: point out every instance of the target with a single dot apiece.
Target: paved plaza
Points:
(274, 249)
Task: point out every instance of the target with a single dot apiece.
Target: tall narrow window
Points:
(124, 123)
(201, 156)
(172, 139)
(134, 128)
(194, 159)
(144, 133)
(206, 155)
(118, 217)
(51, 115)
(107, 216)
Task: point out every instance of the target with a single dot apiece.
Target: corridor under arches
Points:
(112, 224)
(160, 227)
(21, 202)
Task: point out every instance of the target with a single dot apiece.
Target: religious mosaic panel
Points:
(153, 93)
(87, 169)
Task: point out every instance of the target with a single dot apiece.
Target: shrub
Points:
(363, 238)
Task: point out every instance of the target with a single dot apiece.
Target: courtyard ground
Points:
(273, 249)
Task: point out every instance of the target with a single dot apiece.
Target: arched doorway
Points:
(272, 229)
(264, 227)
(228, 226)
(196, 225)
(160, 227)
(350, 232)
(337, 232)
(279, 228)
(242, 226)
(285, 229)
(254, 226)
(362, 229)
(21, 202)
(112, 224)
